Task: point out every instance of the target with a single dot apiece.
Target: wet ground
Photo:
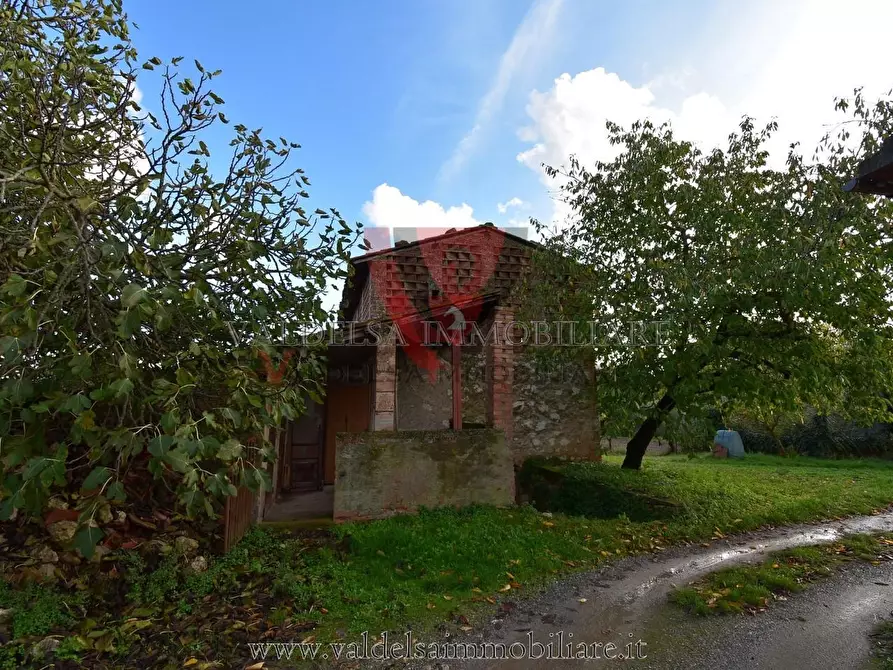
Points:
(825, 627)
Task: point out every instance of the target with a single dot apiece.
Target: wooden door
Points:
(303, 450)
(348, 410)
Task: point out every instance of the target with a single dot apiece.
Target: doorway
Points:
(348, 410)
(302, 451)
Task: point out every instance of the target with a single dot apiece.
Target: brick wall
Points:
(384, 396)
(402, 278)
(381, 474)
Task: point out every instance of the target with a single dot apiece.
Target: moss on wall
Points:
(382, 473)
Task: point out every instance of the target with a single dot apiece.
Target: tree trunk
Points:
(635, 448)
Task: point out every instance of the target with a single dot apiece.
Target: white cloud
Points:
(532, 36)
(503, 207)
(749, 63)
(764, 58)
(395, 216)
(390, 209)
(570, 118)
(137, 94)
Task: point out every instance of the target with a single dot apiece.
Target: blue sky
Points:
(454, 103)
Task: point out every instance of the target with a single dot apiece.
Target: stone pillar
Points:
(384, 400)
(499, 356)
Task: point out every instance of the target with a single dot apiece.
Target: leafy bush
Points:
(140, 288)
(690, 433)
(812, 434)
(152, 586)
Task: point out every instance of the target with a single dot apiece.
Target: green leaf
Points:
(233, 415)
(130, 324)
(132, 295)
(194, 500)
(256, 479)
(7, 507)
(122, 387)
(210, 445)
(86, 540)
(86, 204)
(184, 378)
(34, 467)
(178, 459)
(229, 450)
(97, 477)
(170, 421)
(159, 445)
(10, 349)
(115, 491)
(15, 285)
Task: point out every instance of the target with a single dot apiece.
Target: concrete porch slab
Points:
(312, 505)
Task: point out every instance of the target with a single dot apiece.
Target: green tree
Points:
(718, 279)
(128, 265)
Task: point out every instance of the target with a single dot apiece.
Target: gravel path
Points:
(824, 628)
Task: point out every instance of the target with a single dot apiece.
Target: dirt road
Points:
(826, 627)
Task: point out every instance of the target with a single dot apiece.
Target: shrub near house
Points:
(125, 261)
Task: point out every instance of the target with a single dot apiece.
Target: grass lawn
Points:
(438, 566)
(882, 640)
(751, 588)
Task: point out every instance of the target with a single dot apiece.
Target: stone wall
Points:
(553, 410)
(381, 474)
(553, 406)
(423, 404)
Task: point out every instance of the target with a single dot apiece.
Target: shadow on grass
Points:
(595, 490)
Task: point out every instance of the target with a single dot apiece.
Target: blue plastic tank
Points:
(731, 440)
